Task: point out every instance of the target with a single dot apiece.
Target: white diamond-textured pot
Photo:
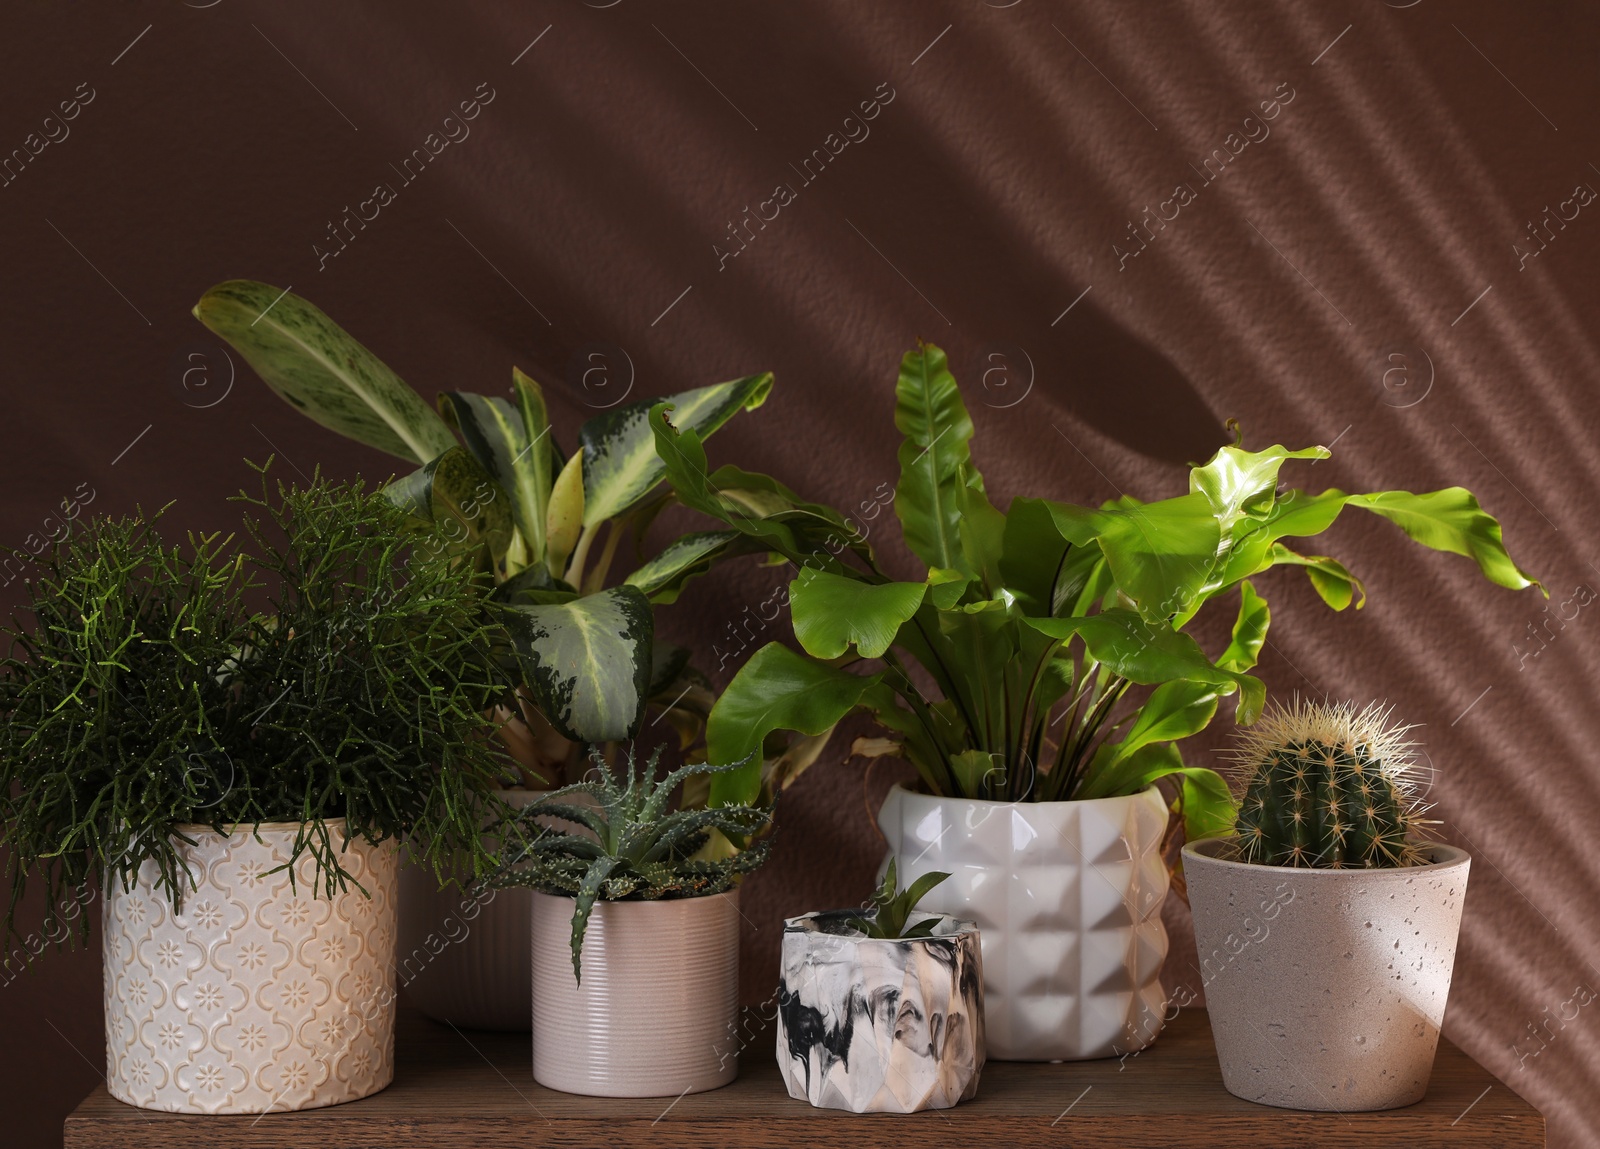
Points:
(657, 1013)
(1326, 988)
(256, 997)
(880, 1025)
(464, 957)
(1067, 896)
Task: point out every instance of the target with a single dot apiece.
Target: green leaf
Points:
(587, 662)
(497, 435)
(1450, 520)
(776, 690)
(455, 492)
(619, 450)
(1033, 555)
(1144, 652)
(1249, 630)
(319, 369)
(929, 412)
(1159, 553)
(1207, 804)
(1239, 483)
(663, 577)
(833, 612)
(564, 519)
(1332, 580)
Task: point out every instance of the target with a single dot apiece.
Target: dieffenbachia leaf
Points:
(620, 464)
(832, 612)
(776, 690)
(935, 462)
(663, 577)
(498, 435)
(319, 369)
(587, 661)
(455, 492)
(564, 519)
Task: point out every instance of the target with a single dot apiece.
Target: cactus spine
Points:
(1328, 787)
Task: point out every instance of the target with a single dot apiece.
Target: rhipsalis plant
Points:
(547, 529)
(1052, 635)
(1328, 787)
(151, 691)
(635, 848)
(891, 908)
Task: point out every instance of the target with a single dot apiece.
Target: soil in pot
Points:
(1326, 988)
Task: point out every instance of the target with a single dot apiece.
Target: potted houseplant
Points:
(1326, 922)
(238, 782)
(635, 932)
(882, 1013)
(552, 532)
(1053, 677)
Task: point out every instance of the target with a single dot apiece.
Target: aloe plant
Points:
(1040, 628)
(627, 844)
(548, 528)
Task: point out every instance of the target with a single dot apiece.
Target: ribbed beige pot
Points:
(658, 1010)
(1326, 988)
(463, 958)
(1068, 898)
(258, 997)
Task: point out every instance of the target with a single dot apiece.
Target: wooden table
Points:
(473, 1089)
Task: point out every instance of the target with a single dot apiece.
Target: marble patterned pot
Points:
(880, 1025)
(657, 1013)
(464, 958)
(1067, 896)
(1326, 988)
(255, 998)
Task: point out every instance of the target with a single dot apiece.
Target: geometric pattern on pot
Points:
(1068, 898)
(880, 1025)
(257, 997)
(1326, 988)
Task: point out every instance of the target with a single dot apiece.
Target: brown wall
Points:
(1389, 195)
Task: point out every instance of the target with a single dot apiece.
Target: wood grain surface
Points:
(475, 1089)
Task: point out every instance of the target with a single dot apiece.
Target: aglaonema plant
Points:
(1053, 635)
(548, 528)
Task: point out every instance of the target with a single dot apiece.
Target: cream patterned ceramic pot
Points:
(1068, 898)
(256, 997)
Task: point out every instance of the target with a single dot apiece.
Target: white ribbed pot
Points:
(256, 997)
(880, 1025)
(1326, 988)
(463, 958)
(657, 1014)
(1068, 898)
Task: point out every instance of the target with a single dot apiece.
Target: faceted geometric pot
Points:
(464, 958)
(878, 1025)
(1326, 988)
(255, 998)
(1067, 896)
(657, 1013)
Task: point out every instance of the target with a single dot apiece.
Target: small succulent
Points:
(1328, 787)
(891, 908)
(627, 845)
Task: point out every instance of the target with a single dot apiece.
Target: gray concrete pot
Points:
(1326, 988)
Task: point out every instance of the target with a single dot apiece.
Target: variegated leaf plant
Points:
(547, 526)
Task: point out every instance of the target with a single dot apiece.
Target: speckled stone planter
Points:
(877, 1025)
(257, 997)
(1068, 898)
(1326, 988)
